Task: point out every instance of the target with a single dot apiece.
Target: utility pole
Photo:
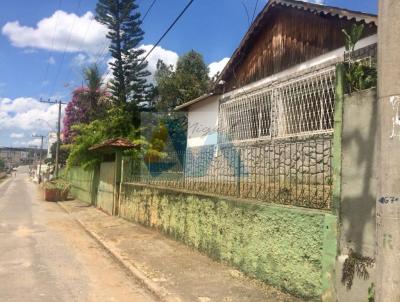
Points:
(40, 155)
(58, 130)
(388, 199)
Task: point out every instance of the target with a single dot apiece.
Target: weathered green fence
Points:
(106, 187)
(81, 183)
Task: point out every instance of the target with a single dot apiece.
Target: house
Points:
(259, 184)
(279, 82)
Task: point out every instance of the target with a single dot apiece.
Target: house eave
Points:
(195, 101)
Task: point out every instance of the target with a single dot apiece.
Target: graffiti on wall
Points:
(395, 102)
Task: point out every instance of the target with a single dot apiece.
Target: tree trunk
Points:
(388, 199)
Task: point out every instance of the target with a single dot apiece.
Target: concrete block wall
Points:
(358, 182)
(291, 248)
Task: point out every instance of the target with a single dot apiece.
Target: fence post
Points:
(149, 168)
(238, 172)
(95, 184)
(328, 283)
(184, 169)
(117, 182)
(120, 185)
(337, 140)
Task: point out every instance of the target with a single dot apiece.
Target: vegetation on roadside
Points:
(371, 293)
(129, 105)
(359, 74)
(129, 87)
(57, 184)
(175, 86)
(2, 165)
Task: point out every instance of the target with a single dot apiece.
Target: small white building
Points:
(202, 120)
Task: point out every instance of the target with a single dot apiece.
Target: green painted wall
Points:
(290, 248)
(81, 182)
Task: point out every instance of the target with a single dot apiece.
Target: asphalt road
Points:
(46, 256)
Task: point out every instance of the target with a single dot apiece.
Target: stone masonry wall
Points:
(293, 171)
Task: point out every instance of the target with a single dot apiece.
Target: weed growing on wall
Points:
(355, 264)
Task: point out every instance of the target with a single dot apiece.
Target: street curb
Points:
(159, 292)
(7, 179)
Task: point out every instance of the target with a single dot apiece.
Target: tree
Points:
(2, 165)
(175, 87)
(189, 81)
(62, 156)
(115, 124)
(129, 85)
(88, 103)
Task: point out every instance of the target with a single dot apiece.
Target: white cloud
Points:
(29, 143)
(17, 135)
(27, 114)
(169, 57)
(216, 67)
(59, 32)
(82, 59)
(34, 142)
(51, 61)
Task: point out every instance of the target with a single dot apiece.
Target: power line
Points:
(148, 10)
(83, 41)
(254, 12)
(65, 50)
(162, 37)
(52, 43)
(105, 54)
(167, 31)
(246, 11)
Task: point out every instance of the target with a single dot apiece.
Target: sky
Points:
(44, 45)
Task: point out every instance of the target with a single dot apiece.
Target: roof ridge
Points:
(320, 6)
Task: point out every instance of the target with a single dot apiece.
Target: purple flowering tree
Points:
(88, 103)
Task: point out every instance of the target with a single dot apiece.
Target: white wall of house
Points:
(203, 123)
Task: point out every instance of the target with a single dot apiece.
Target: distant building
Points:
(20, 156)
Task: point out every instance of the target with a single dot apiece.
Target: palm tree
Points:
(95, 94)
(93, 78)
